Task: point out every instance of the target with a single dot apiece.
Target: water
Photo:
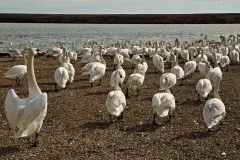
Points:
(44, 36)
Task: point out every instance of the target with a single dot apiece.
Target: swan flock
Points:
(209, 59)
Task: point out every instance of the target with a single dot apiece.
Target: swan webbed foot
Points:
(209, 130)
(120, 116)
(127, 95)
(111, 120)
(169, 118)
(222, 123)
(91, 84)
(100, 82)
(36, 143)
(55, 86)
(29, 141)
(154, 119)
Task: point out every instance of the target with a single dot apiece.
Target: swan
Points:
(142, 67)
(234, 54)
(27, 114)
(70, 68)
(184, 53)
(163, 103)
(190, 66)
(61, 75)
(171, 76)
(158, 61)
(14, 53)
(201, 63)
(135, 80)
(121, 77)
(73, 55)
(204, 86)
(214, 109)
(55, 51)
(177, 70)
(225, 60)
(116, 101)
(97, 70)
(18, 71)
(118, 58)
(215, 72)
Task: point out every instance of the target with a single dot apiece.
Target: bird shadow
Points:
(5, 86)
(147, 127)
(95, 125)
(51, 90)
(47, 83)
(97, 93)
(9, 150)
(192, 102)
(195, 135)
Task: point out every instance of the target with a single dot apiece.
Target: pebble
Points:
(140, 123)
(223, 154)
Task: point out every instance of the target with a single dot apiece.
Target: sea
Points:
(44, 35)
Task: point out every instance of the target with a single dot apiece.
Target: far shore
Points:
(122, 18)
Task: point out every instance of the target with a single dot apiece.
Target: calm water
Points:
(45, 35)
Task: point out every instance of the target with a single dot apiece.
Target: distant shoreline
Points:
(211, 18)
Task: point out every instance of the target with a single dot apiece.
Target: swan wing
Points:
(14, 108)
(32, 111)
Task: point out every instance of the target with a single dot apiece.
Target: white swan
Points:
(157, 61)
(225, 60)
(14, 53)
(163, 103)
(135, 80)
(234, 54)
(18, 71)
(142, 67)
(116, 101)
(171, 76)
(72, 55)
(97, 70)
(118, 58)
(204, 86)
(215, 72)
(190, 66)
(177, 70)
(70, 68)
(201, 62)
(61, 75)
(121, 75)
(214, 109)
(27, 114)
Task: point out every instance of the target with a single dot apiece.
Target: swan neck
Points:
(102, 59)
(206, 71)
(173, 64)
(64, 59)
(33, 88)
(216, 88)
(116, 87)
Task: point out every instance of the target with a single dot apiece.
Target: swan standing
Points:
(190, 66)
(214, 109)
(14, 53)
(61, 75)
(142, 67)
(18, 71)
(163, 103)
(171, 76)
(116, 101)
(27, 114)
(204, 86)
(121, 76)
(177, 70)
(97, 70)
(135, 80)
